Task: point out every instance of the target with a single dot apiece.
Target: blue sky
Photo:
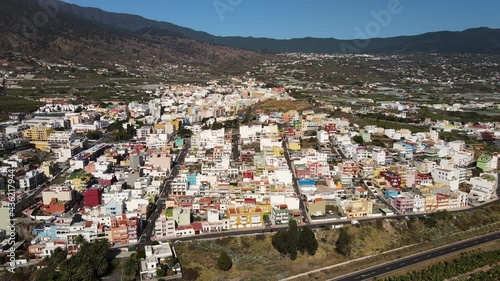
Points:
(341, 19)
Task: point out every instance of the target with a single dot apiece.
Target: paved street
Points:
(370, 273)
(147, 233)
(302, 203)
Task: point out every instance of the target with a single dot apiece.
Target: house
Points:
(61, 193)
(93, 197)
(392, 178)
(45, 248)
(33, 179)
(446, 176)
(165, 225)
(156, 256)
(317, 207)
(403, 204)
(125, 230)
(358, 208)
(483, 188)
(280, 214)
(245, 217)
(56, 207)
(487, 163)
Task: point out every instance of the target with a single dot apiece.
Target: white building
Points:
(483, 188)
(155, 255)
(378, 155)
(32, 179)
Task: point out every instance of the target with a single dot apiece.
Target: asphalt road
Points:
(150, 224)
(235, 148)
(296, 187)
(406, 262)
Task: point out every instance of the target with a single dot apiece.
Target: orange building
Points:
(124, 230)
(56, 207)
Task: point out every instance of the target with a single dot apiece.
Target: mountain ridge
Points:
(67, 36)
(473, 40)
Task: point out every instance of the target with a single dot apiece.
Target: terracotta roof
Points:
(197, 226)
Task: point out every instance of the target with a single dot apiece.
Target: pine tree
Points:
(279, 242)
(292, 239)
(307, 241)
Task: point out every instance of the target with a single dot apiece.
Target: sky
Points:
(283, 19)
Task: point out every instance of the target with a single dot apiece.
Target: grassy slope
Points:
(256, 259)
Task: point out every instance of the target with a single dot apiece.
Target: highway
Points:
(150, 224)
(370, 273)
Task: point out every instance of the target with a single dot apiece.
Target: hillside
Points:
(476, 40)
(69, 37)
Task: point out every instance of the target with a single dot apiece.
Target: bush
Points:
(225, 262)
(191, 274)
(344, 243)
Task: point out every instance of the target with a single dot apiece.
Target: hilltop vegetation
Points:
(281, 105)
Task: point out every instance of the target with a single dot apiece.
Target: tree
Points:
(162, 270)
(344, 243)
(358, 139)
(378, 142)
(184, 133)
(279, 242)
(307, 241)
(216, 126)
(79, 240)
(58, 255)
(292, 239)
(94, 135)
(225, 262)
(130, 268)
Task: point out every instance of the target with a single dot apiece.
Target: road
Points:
(337, 148)
(409, 261)
(145, 238)
(302, 203)
(23, 203)
(236, 149)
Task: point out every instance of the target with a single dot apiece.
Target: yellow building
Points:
(294, 146)
(80, 180)
(278, 151)
(430, 202)
(265, 207)
(245, 217)
(38, 133)
(379, 170)
(359, 208)
(176, 123)
(39, 136)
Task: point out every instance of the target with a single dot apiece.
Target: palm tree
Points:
(58, 255)
(79, 240)
(101, 266)
(131, 268)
